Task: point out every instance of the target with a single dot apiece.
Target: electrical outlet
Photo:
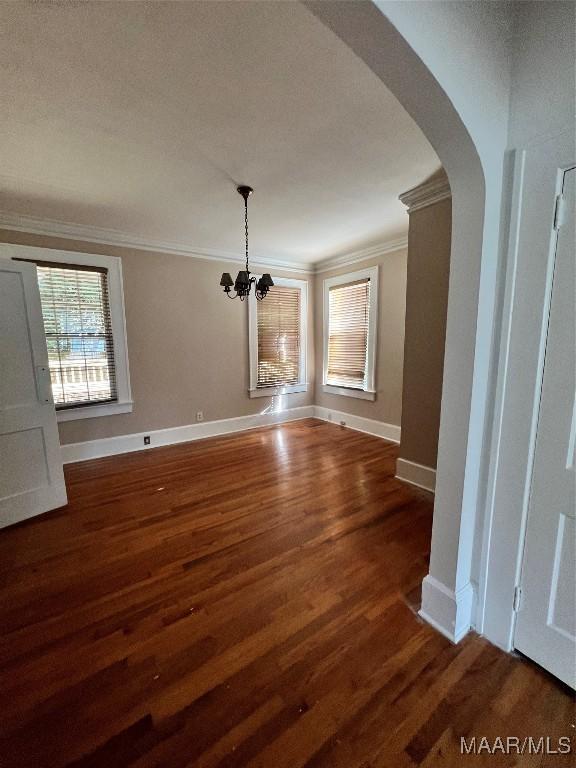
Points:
(199, 416)
(146, 439)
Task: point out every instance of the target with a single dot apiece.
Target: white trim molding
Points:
(447, 611)
(113, 265)
(390, 432)
(355, 257)
(101, 235)
(362, 394)
(286, 389)
(86, 233)
(300, 386)
(416, 474)
(371, 274)
(111, 446)
(93, 411)
(429, 192)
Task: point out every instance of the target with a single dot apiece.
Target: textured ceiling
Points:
(143, 117)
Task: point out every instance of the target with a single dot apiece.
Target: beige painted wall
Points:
(390, 343)
(429, 238)
(187, 343)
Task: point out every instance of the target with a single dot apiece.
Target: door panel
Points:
(31, 476)
(546, 622)
(17, 383)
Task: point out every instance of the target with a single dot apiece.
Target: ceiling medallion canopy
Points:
(243, 283)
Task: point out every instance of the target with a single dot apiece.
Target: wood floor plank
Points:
(240, 601)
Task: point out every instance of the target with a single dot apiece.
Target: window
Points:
(278, 339)
(76, 312)
(83, 311)
(350, 308)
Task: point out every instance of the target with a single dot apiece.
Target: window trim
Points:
(113, 266)
(368, 392)
(302, 385)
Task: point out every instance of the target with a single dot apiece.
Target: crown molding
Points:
(371, 252)
(102, 236)
(427, 193)
(99, 235)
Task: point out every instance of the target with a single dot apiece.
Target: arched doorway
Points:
(454, 92)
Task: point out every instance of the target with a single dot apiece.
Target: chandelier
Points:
(243, 283)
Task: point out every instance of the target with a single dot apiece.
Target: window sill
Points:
(90, 411)
(271, 391)
(362, 394)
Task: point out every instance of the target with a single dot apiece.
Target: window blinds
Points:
(278, 317)
(348, 334)
(78, 329)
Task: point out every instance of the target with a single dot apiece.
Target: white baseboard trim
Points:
(389, 432)
(416, 474)
(110, 446)
(447, 611)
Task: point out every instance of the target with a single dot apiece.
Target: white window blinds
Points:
(278, 321)
(349, 309)
(77, 323)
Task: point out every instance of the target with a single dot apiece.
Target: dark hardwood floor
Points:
(246, 601)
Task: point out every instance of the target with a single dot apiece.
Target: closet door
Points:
(546, 622)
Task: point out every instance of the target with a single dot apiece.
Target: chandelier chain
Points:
(246, 228)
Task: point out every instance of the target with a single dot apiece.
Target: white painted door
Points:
(31, 476)
(546, 621)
